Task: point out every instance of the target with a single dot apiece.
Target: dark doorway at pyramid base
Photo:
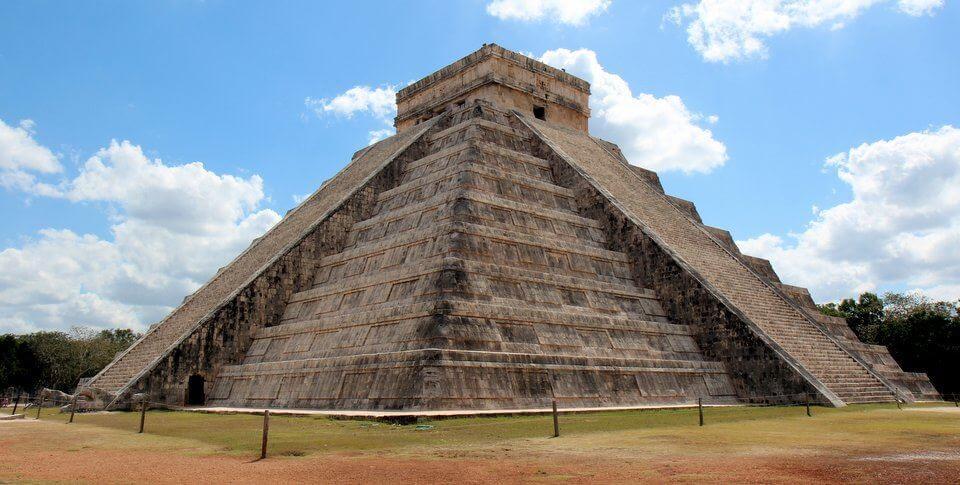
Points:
(195, 394)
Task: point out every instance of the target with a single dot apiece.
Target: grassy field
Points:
(858, 443)
(731, 426)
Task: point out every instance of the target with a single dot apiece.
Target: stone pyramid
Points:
(494, 255)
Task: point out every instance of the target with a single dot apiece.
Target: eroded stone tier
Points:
(475, 283)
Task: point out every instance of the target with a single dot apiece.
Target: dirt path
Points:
(167, 467)
(47, 451)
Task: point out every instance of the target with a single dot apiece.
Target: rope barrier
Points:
(770, 400)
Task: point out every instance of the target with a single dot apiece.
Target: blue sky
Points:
(769, 94)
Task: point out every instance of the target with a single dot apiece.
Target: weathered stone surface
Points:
(475, 284)
(499, 76)
(724, 237)
(484, 259)
(877, 357)
(836, 374)
(762, 267)
(244, 294)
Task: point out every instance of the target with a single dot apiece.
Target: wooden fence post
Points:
(73, 408)
(16, 403)
(40, 407)
(143, 413)
(700, 409)
(266, 431)
(556, 420)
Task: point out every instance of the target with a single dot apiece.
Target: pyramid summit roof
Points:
(505, 78)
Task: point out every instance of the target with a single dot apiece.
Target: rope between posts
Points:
(772, 400)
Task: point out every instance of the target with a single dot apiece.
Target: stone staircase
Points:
(910, 384)
(731, 278)
(833, 366)
(137, 358)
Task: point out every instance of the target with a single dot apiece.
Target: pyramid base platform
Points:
(429, 380)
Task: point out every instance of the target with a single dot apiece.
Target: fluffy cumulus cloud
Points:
(379, 103)
(901, 228)
(658, 133)
(729, 30)
(570, 12)
(172, 227)
(21, 157)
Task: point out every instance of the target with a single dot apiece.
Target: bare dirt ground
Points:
(774, 451)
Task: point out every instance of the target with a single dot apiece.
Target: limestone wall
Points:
(756, 371)
(506, 79)
(475, 284)
(223, 337)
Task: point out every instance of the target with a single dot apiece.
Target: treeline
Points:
(58, 360)
(923, 335)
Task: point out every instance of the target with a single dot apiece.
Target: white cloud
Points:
(729, 30)
(571, 12)
(939, 292)
(919, 7)
(172, 228)
(21, 157)
(658, 133)
(901, 229)
(380, 103)
(377, 135)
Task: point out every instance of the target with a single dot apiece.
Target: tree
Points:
(14, 363)
(863, 315)
(57, 359)
(922, 335)
(831, 309)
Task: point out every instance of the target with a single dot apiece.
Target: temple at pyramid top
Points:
(495, 255)
(505, 79)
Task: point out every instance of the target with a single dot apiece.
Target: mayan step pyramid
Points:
(494, 255)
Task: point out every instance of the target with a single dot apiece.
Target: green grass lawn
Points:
(858, 444)
(862, 427)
